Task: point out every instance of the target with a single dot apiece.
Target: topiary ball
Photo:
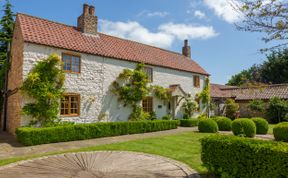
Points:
(262, 125)
(207, 126)
(280, 132)
(224, 123)
(244, 127)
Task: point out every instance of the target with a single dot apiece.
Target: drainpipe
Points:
(6, 92)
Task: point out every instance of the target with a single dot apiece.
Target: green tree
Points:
(231, 108)
(256, 106)
(269, 17)
(277, 110)
(44, 86)
(189, 106)
(275, 69)
(6, 34)
(251, 75)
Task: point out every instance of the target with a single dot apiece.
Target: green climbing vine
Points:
(44, 85)
(131, 87)
(204, 96)
(162, 93)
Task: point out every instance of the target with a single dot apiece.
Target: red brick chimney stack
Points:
(186, 50)
(87, 22)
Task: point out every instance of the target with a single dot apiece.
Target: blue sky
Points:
(208, 24)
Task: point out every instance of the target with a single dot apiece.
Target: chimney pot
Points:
(91, 10)
(186, 50)
(85, 9)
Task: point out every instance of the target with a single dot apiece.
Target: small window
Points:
(70, 105)
(149, 72)
(147, 104)
(196, 79)
(71, 63)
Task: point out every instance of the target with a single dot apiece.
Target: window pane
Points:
(147, 104)
(66, 62)
(74, 105)
(64, 105)
(75, 64)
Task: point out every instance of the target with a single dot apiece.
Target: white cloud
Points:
(184, 31)
(153, 14)
(224, 10)
(199, 14)
(164, 37)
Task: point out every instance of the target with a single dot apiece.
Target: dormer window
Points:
(71, 63)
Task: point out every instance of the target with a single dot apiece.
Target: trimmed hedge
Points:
(189, 122)
(207, 126)
(230, 156)
(280, 132)
(224, 123)
(36, 136)
(262, 125)
(244, 127)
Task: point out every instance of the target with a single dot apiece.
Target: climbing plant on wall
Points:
(44, 85)
(204, 96)
(131, 87)
(162, 93)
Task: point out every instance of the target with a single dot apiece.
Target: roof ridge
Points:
(105, 34)
(253, 87)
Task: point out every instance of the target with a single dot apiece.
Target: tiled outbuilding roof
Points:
(45, 32)
(249, 93)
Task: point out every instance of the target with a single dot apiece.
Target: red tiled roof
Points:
(45, 32)
(249, 93)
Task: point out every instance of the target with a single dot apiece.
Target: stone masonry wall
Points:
(94, 82)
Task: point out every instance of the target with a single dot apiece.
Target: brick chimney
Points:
(186, 50)
(87, 22)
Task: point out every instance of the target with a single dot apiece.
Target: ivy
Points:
(44, 86)
(204, 96)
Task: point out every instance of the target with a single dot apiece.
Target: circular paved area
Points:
(102, 164)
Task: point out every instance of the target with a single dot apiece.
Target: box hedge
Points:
(35, 136)
(189, 122)
(224, 123)
(280, 132)
(244, 127)
(230, 156)
(207, 126)
(262, 125)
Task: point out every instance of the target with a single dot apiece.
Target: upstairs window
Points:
(196, 79)
(149, 72)
(71, 63)
(147, 104)
(70, 105)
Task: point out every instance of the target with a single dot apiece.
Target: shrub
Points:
(256, 105)
(231, 108)
(190, 107)
(189, 122)
(277, 109)
(36, 136)
(243, 127)
(224, 123)
(280, 132)
(207, 126)
(230, 156)
(167, 117)
(262, 125)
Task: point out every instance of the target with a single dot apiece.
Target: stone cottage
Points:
(92, 61)
(243, 95)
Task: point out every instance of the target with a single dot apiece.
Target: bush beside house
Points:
(207, 126)
(244, 127)
(224, 123)
(189, 122)
(262, 125)
(35, 136)
(230, 156)
(280, 132)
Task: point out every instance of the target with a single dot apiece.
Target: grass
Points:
(184, 147)
(270, 130)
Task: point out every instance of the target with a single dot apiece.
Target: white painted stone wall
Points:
(94, 82)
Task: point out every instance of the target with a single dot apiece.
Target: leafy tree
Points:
(231, 108)
(44, 86)
(6, 34)
(270, 17)
(275, 69)
(253, 74)
(277, 110)
(256, 105)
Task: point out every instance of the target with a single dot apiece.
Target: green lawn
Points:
(183, 147)
(271, 126)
